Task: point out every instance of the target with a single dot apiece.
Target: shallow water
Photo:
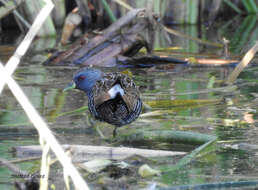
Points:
(230, 115)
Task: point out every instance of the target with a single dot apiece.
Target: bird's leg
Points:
(114, 132)
(100, 132)
(95, 124)
(90, 121)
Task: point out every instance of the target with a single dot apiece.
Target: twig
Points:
(123, 4)
(244, 62)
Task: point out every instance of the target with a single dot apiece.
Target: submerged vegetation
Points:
(189, 59)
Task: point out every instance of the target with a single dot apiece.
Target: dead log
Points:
(81, 153)
(112, 30)
(83, 46)
(119, 45)
(103, 57)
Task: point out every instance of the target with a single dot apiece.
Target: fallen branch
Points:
(79, 50)
(82, 153)
(113, 48)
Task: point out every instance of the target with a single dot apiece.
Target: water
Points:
(230, 114)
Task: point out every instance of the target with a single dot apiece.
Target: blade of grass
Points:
(250, 6)
(83, 108)
(211, 140)
(109, 11)
(233, 6)
(241, 37)
(192, 6)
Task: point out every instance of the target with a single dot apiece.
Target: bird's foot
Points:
(100, 132)
(114, 132)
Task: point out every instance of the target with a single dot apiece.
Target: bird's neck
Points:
(89, 93)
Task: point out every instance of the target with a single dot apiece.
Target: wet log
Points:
(107, 56)
(119, 45)
(81, 153)
(83, 46)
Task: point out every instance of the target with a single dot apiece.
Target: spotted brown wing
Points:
(120, 110)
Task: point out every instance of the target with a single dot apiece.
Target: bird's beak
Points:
(70, 86)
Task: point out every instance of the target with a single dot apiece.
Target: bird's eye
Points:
(82, 77)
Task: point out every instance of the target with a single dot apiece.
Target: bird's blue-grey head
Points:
(85, 79)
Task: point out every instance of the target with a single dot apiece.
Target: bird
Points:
(112, 97)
